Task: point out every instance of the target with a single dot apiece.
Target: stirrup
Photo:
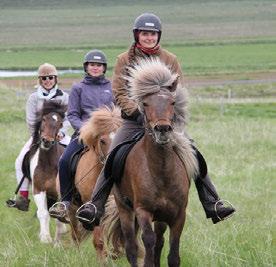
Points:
(11, 203)
(223, 201)
(62, 214)
(85, 219)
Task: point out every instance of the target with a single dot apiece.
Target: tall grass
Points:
(240, 148)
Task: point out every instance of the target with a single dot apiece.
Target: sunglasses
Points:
(44, 78)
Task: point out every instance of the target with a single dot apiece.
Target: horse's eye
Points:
(173, 103)
(145, 104)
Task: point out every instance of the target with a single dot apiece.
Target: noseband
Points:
(44, 141)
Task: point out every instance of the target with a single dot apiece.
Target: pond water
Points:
(27, 73)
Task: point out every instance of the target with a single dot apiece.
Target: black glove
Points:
(135, 116)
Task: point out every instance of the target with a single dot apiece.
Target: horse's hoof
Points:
(57, 244)
(46, 239)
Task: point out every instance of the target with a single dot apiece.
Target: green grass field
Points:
(239, 144)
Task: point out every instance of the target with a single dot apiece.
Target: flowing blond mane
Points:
(102, 121)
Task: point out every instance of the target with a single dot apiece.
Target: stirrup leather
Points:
(85, 219)
(223, 202)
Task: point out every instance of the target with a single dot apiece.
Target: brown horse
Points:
(97, 135)
(158, 169)
(44, 165)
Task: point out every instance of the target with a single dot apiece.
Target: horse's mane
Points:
(102, 121)
(149, 76)
(48, 107)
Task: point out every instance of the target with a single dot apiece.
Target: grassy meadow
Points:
(238, 141)
(233, 125)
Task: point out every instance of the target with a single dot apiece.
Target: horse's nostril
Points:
(163, 128)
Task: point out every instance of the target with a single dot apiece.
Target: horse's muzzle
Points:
(162, 133)
(47, 144)
(163, 128)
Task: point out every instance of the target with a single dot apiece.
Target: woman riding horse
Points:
(91, 93)
(147, 34)
(47, 90)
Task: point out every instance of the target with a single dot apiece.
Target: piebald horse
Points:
(44, 166)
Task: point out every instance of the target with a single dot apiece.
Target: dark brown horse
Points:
(158, 169)
(97, 135)
(44, 165)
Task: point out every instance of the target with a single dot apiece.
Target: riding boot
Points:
(91, 212)
(213, 206)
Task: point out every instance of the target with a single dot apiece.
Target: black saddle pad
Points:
(115, 162)
(27, 159)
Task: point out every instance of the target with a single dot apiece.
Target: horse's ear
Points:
(173, 86)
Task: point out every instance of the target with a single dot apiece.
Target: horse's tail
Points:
(113, 234)
(184, 149)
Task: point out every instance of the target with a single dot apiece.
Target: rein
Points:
(101, 155)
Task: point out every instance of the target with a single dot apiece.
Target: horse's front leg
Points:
(127, 220)
(60, 230)
(148, 236)
(43, 216)
(159, 229)
(175, 233)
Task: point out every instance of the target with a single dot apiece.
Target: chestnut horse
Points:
(96, 134)
(44, 166)
(158, 169)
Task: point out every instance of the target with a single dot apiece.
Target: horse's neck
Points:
(161, 158)
(48, 157)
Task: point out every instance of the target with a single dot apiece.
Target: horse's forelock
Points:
(149, 76)
(53, 106)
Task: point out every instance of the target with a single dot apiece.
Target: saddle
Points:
(115, 163)
(27, 159)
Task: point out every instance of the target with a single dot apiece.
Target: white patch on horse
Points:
(55, 117)
(112, 135)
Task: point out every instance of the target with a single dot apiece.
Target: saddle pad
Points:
(27, 159)
(115, 163)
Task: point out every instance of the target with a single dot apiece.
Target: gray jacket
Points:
(88, 95)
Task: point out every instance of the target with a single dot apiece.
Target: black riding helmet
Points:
(96, 56)
(147, 22)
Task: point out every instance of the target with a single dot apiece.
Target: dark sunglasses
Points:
(44, 78)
